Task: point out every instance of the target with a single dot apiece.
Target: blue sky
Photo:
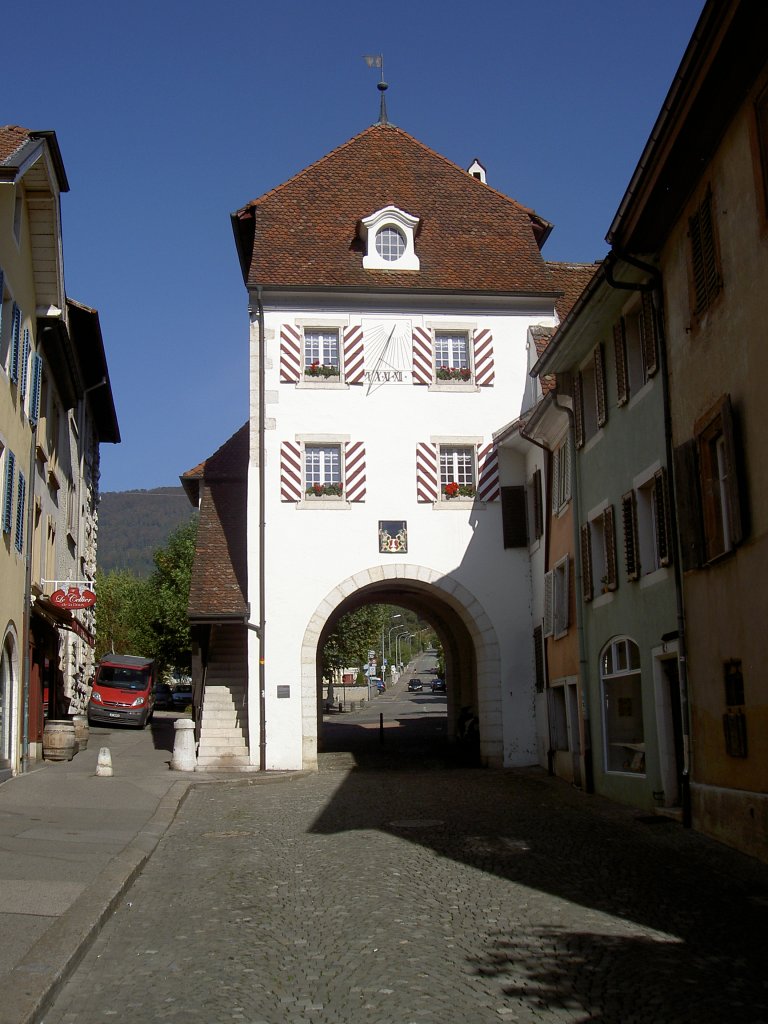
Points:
(170, 116)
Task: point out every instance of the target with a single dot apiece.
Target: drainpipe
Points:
(262, 534)
(655, 288)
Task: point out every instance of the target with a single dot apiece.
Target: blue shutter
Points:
(10, 469)
(13, 364)
(24, 365)
(20, 513)
(34, 392)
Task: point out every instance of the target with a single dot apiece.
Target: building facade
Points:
(392, 295)
(55, 408)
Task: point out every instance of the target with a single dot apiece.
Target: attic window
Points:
(478, 171)
(389, 239)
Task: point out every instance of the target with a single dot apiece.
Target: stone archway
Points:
(9, 675)
(471, 646)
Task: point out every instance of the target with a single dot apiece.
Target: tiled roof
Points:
(541, 338)
(571, 280)
(305, 232)
(12, 137)
(219, 584)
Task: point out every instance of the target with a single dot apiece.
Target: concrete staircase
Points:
(223, 742)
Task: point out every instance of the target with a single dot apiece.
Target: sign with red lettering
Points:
(73, 597)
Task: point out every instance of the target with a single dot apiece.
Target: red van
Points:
(123, 690)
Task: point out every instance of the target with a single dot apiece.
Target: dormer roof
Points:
(470, 238)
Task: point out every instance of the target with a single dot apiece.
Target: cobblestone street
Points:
(431, 896)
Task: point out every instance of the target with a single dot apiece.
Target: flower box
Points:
(451, 375)
(319, 371)
(324, 491)
(454, 490)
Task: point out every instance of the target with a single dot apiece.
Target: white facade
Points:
(322, 552)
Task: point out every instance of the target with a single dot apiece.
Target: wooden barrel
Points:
(59, 743)
(82, 731)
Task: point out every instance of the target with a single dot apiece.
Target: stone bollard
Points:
(104, 763)
(184, 759)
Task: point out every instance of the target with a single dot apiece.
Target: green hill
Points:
(134, 524)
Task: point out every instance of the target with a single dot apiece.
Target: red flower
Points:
(452, 489)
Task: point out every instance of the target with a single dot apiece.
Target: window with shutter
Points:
(649, 334)
(24, 364)
(609, 536)
(578, 410)
(705, 269)
(15, 353)
(10, 473)
(513, 517)
(427, 475)
(21, 493)
(586, 563)
(537, 503)
(549, 598)
(629, 521)
(600, 395)
(620, 359)
(661, 517)
(688, 505)
(35, 389)
(719, 480)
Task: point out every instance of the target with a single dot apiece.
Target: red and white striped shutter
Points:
(488, 488)
(427, 478)
(422, 356)
(290, 354)
(485, 372)
(354, 365)
(290, 471)
(354, 471)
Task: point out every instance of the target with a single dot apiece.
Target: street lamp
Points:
(398, 638)
(397, 615)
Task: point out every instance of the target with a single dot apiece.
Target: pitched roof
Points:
(219, 586)
(470, 238)
(12, 137)
(571, 279)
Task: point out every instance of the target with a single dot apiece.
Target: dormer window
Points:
(389, 238)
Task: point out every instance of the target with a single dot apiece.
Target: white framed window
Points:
(645, 518)
(390, 243)
(458, 471)
(622, 698)
(598, 554)
(323, 470)
(389, 237)
(452, 356)
(635, 348)
(321, 353)
(557, 590)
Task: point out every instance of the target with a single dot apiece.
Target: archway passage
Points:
(403, 730)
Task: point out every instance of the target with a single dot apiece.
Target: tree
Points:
(169, 598)
(123, 611)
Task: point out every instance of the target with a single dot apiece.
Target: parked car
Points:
(163, 697)
(182, 696)
(123, 690)
(378, 683)
(414, 685)
(438, 686)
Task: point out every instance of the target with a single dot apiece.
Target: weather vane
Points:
(376, 60)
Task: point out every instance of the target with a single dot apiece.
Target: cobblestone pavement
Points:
(456, 896)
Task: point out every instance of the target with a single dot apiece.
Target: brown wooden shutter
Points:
(735, 511)
(620, 350)
(578, 409)
(649, 335)
(549, 603)
(688, 505)
(629, 518)
(704, 262)
(609, 539)
(600, 395)
(513, 517)
(661, 499)
(586, 563)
